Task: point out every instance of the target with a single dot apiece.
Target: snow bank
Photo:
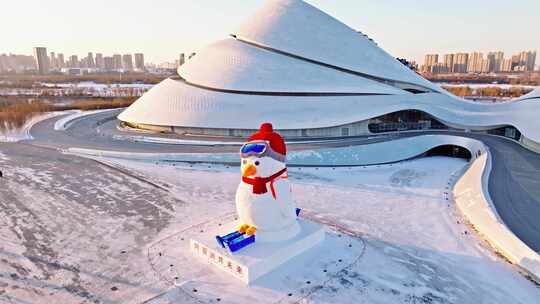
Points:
(175, 141)
(192, 142)
(472, 198)
(16, 135)
(65, 122)
(359, 155)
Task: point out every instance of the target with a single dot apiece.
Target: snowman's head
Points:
(259, 160)
(264, 154)
(254, 166)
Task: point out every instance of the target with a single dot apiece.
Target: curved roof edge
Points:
(232, 65)
(402, 85)
(280, 93)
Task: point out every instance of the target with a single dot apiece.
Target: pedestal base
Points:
(258, 259)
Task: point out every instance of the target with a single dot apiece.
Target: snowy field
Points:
(418, 250)
(78, 231)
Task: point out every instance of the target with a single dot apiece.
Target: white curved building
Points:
(311, 75)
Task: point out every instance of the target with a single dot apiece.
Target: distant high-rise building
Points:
(139, 61)
(52, 61)
(439, 68)
(532, 63)
(60, 61)
(99, 61)
(430, 61)
(4, 63)
(108, 63)
(485, 66)
(90, 60)
(528, 60)
(117, 62)
(506, 65)
(522, 62)
(495, 61)
(449, 63)
(17, 63)
(181, 59)
(516, 61)
(74, 61)
(475, 62)
(127, 62)
(42, 61)
(461, 61)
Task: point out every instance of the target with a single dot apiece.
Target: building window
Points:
(344, 131)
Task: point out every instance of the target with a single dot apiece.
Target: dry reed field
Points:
(31, 81)
(14, 114)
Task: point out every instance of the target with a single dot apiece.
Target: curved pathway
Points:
(514, 183)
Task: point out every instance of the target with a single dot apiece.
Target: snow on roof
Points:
(296, 27)
(233, 65)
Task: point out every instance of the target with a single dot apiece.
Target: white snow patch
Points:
(65, 122)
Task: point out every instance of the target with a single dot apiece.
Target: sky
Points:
(161, 29)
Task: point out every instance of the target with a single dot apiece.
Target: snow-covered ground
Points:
(418, 249)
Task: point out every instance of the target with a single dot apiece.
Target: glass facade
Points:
(405, 121)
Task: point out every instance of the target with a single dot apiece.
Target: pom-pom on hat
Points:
(266, 133)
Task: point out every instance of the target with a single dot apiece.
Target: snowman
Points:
(263, 199)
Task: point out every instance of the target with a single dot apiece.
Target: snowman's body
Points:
(273, 217)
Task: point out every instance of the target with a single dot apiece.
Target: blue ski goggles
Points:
(260, 149)
(254, 149)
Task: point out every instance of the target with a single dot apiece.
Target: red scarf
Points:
(259, 183)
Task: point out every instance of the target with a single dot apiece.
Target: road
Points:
(514, 187)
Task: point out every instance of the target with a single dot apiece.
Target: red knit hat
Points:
(266, 132)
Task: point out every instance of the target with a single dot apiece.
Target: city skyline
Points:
(43, 62)
(162, 31)
(46, 62)
(475, 62)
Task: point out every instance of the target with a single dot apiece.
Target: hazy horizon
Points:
(168, 27)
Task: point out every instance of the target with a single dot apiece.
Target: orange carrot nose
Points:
(249, 170)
